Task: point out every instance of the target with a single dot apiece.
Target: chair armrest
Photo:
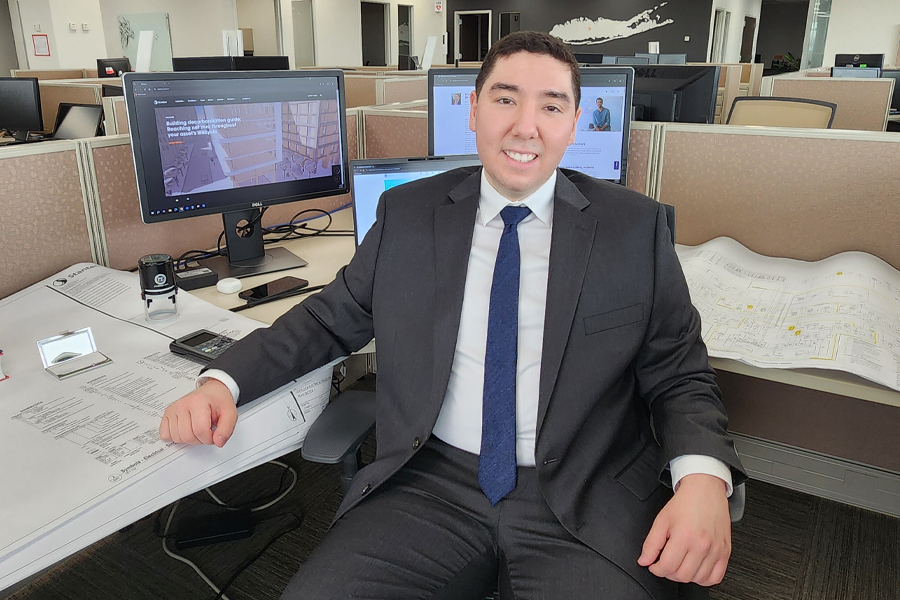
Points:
(736, 503)
(341, 428)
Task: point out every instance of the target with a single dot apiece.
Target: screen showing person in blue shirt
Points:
(600, 121)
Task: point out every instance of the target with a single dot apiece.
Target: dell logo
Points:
(256, 205)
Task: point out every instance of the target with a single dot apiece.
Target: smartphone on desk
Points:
(273, 289)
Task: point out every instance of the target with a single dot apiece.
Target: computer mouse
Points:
(229, 285)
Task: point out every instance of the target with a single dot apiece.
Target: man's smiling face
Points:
(524, 119)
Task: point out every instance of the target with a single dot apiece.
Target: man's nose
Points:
(526, 122)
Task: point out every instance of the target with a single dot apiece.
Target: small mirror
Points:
(70, 353)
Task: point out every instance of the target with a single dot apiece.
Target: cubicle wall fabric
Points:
(862, 104)
(353, 134)
(639, 157)
(44, 227)
(52, 93)
(405, 89)
(784, 192)
(394, 134)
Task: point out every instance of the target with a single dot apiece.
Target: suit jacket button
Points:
(365, 489)
(416, 443)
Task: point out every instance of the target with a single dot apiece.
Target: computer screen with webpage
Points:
(371, 178)
(601, 140)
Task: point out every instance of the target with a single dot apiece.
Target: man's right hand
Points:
(205, 416)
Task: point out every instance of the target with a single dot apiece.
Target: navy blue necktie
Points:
(497, 461)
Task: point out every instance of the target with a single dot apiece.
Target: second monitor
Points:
(601, 140)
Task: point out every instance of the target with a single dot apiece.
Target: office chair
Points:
(339, 432)
(781, 112)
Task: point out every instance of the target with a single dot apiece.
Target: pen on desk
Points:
(300, 292)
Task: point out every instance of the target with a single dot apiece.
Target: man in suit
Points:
(541, 383)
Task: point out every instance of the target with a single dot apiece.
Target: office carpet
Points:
(789, 546)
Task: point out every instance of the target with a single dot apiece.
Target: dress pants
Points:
(431, 521)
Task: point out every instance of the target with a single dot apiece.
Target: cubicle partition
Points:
(45, 226)
(73, 92)
(803, 194)
(862, 104)
(49, 74)
(404, 89)
(639, 153)
(392, 133)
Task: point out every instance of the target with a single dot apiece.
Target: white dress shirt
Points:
(459, 421)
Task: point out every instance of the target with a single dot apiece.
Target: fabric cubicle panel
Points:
(639, 157)
(803, 194)
(52, 93)
(48, 74)
(799, 193)
(405, 89)
(862, 104)
(394, 133)
(44, 226)
(360, 90)
(126, 238)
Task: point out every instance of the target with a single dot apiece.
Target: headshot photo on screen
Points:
(456, 99)
(601, 113)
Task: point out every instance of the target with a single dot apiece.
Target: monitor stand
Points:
(246, 255)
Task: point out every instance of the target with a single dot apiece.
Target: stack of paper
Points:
(840, 313)
(82, 456)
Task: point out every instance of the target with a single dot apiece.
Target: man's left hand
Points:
(693, 531)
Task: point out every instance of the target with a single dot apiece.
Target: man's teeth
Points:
(522, 158)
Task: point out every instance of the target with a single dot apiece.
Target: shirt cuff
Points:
(691, 464)
(229, 383)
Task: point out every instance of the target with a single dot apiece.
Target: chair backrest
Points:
(782, 112)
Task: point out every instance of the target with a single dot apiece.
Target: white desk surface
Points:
(326, 255)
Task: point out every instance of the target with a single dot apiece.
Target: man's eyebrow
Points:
(509, 87)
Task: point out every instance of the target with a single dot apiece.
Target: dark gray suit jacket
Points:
(621, 351)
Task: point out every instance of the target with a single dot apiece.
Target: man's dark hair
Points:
(534, 42)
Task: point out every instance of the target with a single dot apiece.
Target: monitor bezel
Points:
(626, 70)
(134, 134)
(716, 73)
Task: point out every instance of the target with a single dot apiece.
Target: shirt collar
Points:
(540, 201)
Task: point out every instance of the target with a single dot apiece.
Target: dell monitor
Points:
(866, 72)
(78, 121)
(260, 63)
(895, 75)
(676, 93)
(233, 143)
(859, 60)
(202, 63)
(20, 98)
(113, 67)
(372, 177)
(601, 138)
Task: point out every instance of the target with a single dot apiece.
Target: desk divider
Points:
(393, 133)
(639, 156)
(53, 93)
(404, 89)
(863, 104)
(45, 227)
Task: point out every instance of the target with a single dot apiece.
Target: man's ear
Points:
(575, 126)
(473, 104)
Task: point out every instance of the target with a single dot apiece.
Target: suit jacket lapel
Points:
(570, 249)
(454, 224)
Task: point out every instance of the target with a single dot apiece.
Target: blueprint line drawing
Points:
(840, 313)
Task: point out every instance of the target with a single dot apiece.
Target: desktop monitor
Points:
(632, 60)
(20, 98)
(867, 72)
(260, 63)
(859, 60)
(113, 67)
(372, 177)
(202, 63)
(600, 154)
(676, 93)
(234, 143)
(672, 59)
(651, 57)
(587, 59)
(895, 75)
(78, 121)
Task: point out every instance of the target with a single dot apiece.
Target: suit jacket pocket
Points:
(641, 476)
(613, 318)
